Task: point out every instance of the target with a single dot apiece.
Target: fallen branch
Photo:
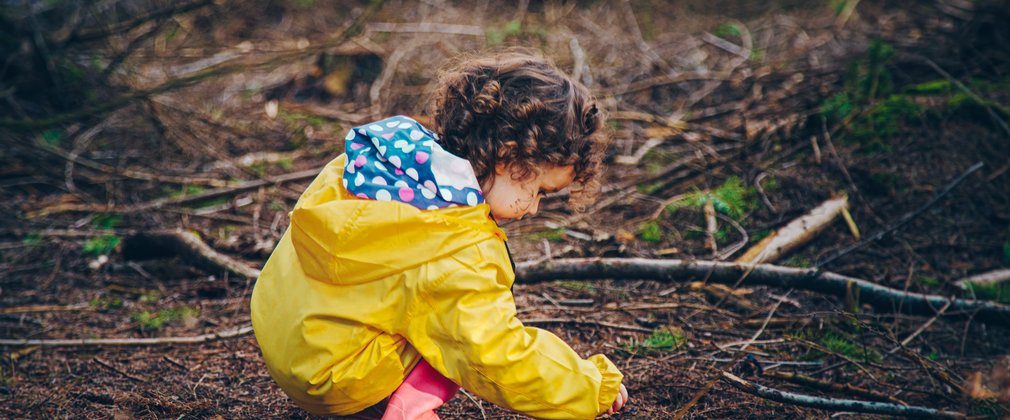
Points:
(171, 201)
(189, 246)
(836, 404)
(585, 322)
(880, 297)
(818, 384)
(77, 342)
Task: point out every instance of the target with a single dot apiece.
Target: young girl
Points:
(392, 286)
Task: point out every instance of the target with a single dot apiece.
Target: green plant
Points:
(101, 245)
(32, 240)
(731, 198)
(651, 232)
(553, 235)
(285, 163)
(52, 136)
(929, 281)
(660, 340)
(156, 320)
(841, 345)
(1006, 252)
(727, 30)
(996, 292)
(106, 221)
(578, 286)
(104, 303)
(496, 35)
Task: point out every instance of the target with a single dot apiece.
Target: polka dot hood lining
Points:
(398, 159)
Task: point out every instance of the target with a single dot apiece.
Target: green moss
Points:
(106, 221)
(797, 261)
(32, 240)
(731, 198)
(929, 281)
(651, 232)
(101, 245)
(578, 286)
(727, 30)
(759, 235)
(554, 235)
(285, 163)
(660, 340)
(997, 292)
(105, 303)
(932, 87)
(156, 320)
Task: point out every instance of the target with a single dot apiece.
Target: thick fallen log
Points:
(882, 298)
(836, 404)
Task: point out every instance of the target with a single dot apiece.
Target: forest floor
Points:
(765, 112)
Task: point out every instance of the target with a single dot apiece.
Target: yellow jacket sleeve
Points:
(464, 324)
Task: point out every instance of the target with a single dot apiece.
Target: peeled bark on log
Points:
(880, 297)
(985, 279)
(796, 233)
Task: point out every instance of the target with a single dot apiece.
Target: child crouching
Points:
(392, 286)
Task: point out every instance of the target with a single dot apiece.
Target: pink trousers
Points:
(420, 394)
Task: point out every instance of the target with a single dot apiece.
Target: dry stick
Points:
(682, 411)
(222, 69)
(45, 308)
(674, 270)
(188, 245)
(968, 92)
(170, 201)
(74, 158)
(920, 329)
(585, 322)
(904, 219)
(836, 404)
(76, 342)
(815, 383)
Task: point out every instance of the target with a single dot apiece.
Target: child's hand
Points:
(622, 398)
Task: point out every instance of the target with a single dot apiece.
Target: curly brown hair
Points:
(520, 110)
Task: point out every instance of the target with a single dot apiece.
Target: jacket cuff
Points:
(610, 384)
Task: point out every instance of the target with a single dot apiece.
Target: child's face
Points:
(512, 199)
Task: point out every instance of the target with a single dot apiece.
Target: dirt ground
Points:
(767, 110)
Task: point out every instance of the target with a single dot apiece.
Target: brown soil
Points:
(758, 124)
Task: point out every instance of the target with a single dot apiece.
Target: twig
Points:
(739, 355)
(225, 68)
(542, 321)
(829, 386)
(836, 404)
(967, 91)
(673, 270)
(108, 365)
(480, 406)
(904, 219)
(44, 308)
(920, 329)
(79, 342)
(190, 246)
(170, 201)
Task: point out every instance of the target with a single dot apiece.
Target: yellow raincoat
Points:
(357, 291)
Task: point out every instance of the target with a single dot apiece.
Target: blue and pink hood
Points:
(398, 159)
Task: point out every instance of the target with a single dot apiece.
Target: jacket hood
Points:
(346, 231)
(398, 159)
